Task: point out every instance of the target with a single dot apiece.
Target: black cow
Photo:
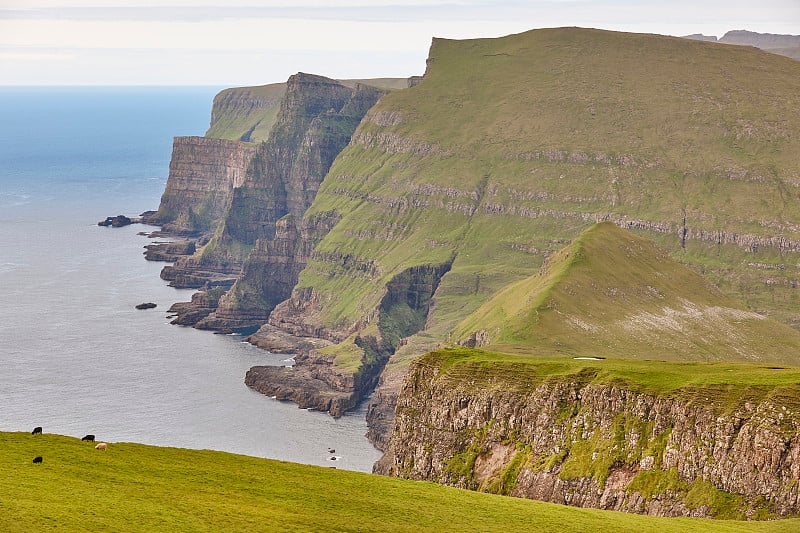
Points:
(37, 431)
(37, 459)
(88, 437)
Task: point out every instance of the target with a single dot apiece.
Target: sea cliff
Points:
(203, 172)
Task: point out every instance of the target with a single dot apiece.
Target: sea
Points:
(76, 357)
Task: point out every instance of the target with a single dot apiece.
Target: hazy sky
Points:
(250, 42)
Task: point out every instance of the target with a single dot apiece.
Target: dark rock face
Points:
(315, 381)
(201, 305)
(193, 272)
(117, 221)
(169, 251)
(148, 305)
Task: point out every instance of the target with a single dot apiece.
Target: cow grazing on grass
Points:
(88, 437)
(37, 459)
(101, 446)
(37, 430)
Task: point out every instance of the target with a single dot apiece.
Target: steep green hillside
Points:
(132, 487)
(613, 294)
(511, 147)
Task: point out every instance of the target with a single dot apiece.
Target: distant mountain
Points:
(785, 45)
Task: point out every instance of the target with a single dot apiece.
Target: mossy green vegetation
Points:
(650, 483)
(246, 113)
(133, 487)
(722, 504)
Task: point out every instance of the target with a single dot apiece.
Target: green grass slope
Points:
(511, 147)
(246, 113)
(132, 487)
(611, 293)
(719, 386)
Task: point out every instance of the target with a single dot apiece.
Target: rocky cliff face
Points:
(317, 117)
(203, 173)
(269, 274)
(576, 441)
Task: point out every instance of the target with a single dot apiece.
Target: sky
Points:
(253, 42)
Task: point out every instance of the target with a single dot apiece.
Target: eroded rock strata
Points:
(169, 251)
(315, 123)
(572, 440)
(258, 243)
(203, 173)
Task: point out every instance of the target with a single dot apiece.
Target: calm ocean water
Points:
(75, 356)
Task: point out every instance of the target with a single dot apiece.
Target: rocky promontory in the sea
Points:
(361, 225)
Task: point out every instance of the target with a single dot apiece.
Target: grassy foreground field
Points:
(133, 487)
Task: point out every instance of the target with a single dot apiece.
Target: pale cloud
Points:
(24, 56)
(264, 34)
(158, 41)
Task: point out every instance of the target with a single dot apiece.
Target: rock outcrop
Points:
(117, 221)
(315, 382)
(169, 251)
(721, 451)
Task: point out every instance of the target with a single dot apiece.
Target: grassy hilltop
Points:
(132, 487)
(611, 293)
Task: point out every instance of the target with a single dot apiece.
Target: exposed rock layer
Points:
(202, 175)
(580, 443)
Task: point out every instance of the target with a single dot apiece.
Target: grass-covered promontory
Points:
(133, 487)
(248, 113)
(612, 293)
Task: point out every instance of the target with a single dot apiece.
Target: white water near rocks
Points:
(76, 357)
